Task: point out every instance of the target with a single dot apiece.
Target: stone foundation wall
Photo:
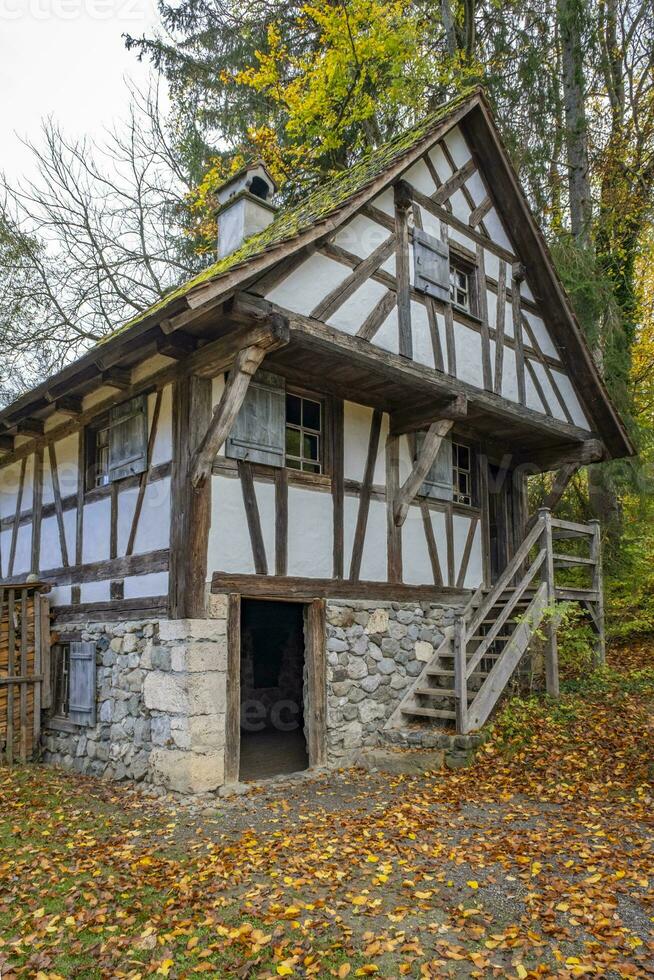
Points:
(161, 695)
(374, 651)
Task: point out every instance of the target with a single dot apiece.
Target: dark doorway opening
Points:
(272, 689)
(500, 519)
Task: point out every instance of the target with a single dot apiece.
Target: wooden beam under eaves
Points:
(413, 419)
(115, 377)
(177, 345)
(30, 427)
(579, 454)
(69, 405)
(6, 444)
(407, 492)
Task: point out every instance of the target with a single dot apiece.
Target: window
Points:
(117, 443)
(461, 287)
(303, 433)
(73, 684)
(60, 680)
(462, 473)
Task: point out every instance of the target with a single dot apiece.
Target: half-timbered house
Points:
(282, 515)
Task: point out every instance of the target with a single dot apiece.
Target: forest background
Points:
(105, 228)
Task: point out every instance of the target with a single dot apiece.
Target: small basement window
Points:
(117, 443)
(60, 680)
(304, 433)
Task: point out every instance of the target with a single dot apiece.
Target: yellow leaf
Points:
(472, 884)
(520, 970)
(284, 970)
(164, 969)
(359, 900)
(343, 970)
(367, 970)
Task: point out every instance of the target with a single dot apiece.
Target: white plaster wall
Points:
(388, 336)
(50, 545)
(10, 484)
(60, 595)
(95, 591)
(541, 334)
(162, 450)
(357, 420)
(458, 147)
(265, 494)
(229, 539)
(97, 530)
(23, 559)
(5, 545)
(460, 528)
(416, 564)
(374, 562)
(467, 344)
(307, 284)
(153, 531)
(354, 310)
(146, 586)
(361, 236)
(570, 397)
(437, 518)
(418, 176)
(310, 533)
(423, 349)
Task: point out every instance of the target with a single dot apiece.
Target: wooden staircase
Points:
(465, 678)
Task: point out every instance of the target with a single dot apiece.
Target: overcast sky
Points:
(65, 58)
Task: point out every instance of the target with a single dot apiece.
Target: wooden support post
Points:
(551, 646)
(190, 507)
(403, 204)
(233, 713)
(460, 678)
(315, 638)
(598, 586)
(435, 435)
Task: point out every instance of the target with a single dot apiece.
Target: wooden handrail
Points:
(504, 579)
(506, 612)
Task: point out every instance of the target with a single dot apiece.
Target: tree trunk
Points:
(570, 16)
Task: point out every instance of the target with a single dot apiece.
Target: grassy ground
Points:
(536, 862)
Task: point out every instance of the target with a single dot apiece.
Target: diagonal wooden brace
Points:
(246, 363)
(560, 485)
(435, 435)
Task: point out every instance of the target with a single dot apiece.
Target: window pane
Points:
(310, 447)
(464, 457)
(293, 409)
(293, 464)
(311, 414)
(293, 441)
(311, 467)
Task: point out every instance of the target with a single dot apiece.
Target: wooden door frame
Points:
(315, 695)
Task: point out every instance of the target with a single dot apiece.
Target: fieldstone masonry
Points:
(374, 651)
(161, 689)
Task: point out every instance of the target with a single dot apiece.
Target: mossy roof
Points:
(319, 205)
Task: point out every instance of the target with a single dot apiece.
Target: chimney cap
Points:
(254, 178)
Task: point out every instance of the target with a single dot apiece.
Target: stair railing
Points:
(523, 569)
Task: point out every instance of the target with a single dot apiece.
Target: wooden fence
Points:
(24, 662)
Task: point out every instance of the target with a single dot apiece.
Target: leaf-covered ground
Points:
(536, 862)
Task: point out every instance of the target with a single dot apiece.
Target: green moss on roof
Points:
(317, 206)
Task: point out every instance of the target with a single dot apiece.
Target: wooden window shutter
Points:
(128, 438)
(438, 482)
(431, 265)
(81, 691)
(259, 431)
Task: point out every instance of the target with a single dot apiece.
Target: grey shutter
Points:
(431, 259)
(438, 482)
(81, 691)
(128, 438)
(259, 432)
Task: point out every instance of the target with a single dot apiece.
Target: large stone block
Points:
(185, 694)
(172, 630)
(187, 772)
(199, 656)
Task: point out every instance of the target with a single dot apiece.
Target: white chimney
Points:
(244, 207)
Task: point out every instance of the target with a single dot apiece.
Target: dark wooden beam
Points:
(30, 427)
(407, 492)
(6, 444)
(579, 454)
(69, 405)
(178, 345)
(414, 418)
(115, 377)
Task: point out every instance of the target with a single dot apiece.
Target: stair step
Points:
(435, 692)
(441, 672)
(429, 712)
